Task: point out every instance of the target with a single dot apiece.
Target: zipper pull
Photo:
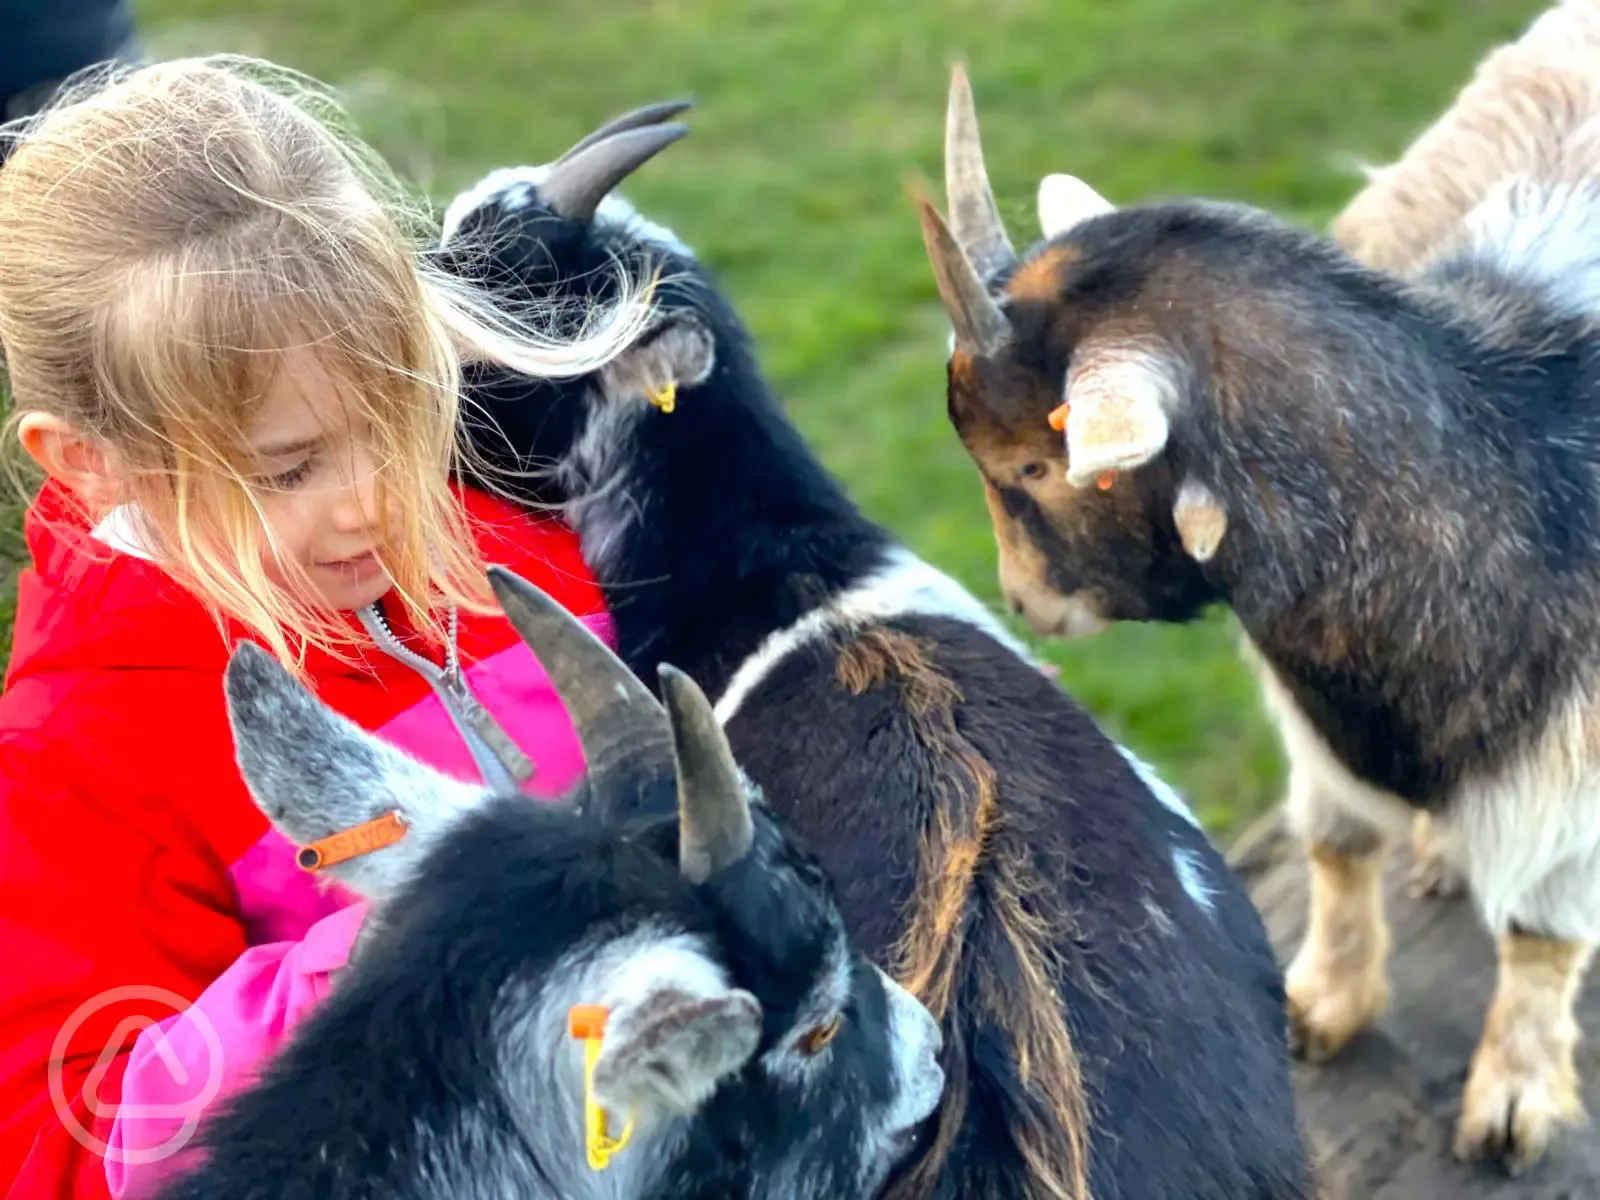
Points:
(518, 765)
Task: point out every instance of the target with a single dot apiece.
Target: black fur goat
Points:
(1393, 483)
(1113, 1017)
(755, 1052)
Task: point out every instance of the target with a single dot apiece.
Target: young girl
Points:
(240, 378)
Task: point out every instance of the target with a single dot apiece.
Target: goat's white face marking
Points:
(1065, 201)
(916, 1041)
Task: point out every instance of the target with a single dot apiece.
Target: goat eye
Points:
(1033, 470)
(818, 1036)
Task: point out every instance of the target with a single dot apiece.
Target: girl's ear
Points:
(69, 456)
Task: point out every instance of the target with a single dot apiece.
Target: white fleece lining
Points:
(119, 529)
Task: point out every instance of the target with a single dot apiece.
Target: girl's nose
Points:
(357, 509)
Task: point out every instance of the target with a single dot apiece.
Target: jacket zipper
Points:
(500, 760)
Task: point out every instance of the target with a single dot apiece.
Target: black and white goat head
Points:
(755, 1052)
(684, 417)
(554, 234)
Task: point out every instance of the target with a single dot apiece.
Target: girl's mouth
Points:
(359, 569)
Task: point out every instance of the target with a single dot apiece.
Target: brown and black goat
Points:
(1393, 483)
(1113, 1018)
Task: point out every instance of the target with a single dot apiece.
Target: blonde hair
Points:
(168, 233)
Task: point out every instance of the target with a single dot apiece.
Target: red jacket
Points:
(131, 856)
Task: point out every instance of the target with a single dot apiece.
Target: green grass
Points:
(810, 114)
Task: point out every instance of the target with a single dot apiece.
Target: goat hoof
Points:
(1513, 1116)
(1327, 1009)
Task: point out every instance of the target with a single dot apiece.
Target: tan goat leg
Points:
(1523, 1087)
(1338, 983)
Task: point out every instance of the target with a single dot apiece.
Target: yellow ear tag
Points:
(665, 397)
(588, 1021)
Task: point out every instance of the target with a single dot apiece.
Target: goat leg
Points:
(1523, 1086)
(1338, 983)
(1432, 874)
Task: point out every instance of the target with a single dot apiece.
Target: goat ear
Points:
(1065, 201)
(682, 354)
(674, 1031)
(1116, 416)
(314, 773)
(1200, 518)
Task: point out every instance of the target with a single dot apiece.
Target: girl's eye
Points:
(818, 1036)
(292, 476)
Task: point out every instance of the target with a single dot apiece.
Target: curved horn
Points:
(980, 327)
(714, 825)
(622, 728)
(577, 184)
(974, 216)
(649, 114)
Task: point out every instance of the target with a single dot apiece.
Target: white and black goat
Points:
(1394, 484)
(748, 1049)
(1112, 1014)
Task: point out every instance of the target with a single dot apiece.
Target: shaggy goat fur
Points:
(1392, 481)
(753, 1049)
(1112, 1013)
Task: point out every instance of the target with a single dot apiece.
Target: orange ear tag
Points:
(353, 842)
(1058, 422)
(588, 1023)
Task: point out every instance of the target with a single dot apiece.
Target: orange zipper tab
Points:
(353, 842)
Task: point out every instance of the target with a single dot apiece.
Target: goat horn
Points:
(974, 216)
(979, 325)
(714, 825)
(649, 114)
(622, 727)
(577, 184)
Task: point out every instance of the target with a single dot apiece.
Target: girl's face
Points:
(314, 465)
